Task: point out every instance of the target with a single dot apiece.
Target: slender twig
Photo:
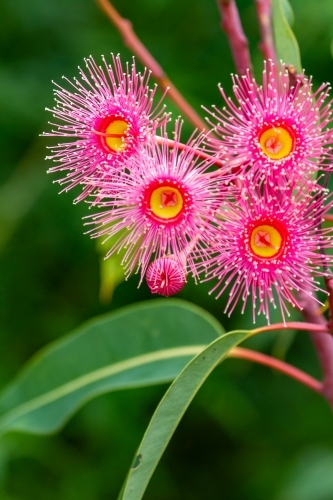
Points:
(328, 217)
(277, 364)
(264, 15)
(321, 337)
(225, 168)
(322, 341)
(329, 287)
(312, 326)
(132, 41)
(328, 277)
(197, 152)
(328, 280)
(296, 80)
(231, 24)
(183, 147)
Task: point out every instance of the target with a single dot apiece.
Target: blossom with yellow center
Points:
(269, 246)
(165, 205)
(104, 120)
(274, 131)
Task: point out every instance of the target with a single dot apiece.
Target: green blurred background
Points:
(250, 434)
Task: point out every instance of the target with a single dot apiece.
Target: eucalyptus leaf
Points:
(111, 275)
(111, 270)
(21, 191)
(140, 345)
(288, 12)
(171, 409)
(285, 41)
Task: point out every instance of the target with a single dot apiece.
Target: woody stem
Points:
(277, 364)
(322, 341)
(132, 41)
(264, 15)
(185, 147)
(232, 26)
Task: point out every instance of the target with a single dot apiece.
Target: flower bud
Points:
(166, 276)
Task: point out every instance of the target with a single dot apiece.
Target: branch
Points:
(277, 364)
(313, 326)
(132, 41)
(322, 341)
(329, 287)
(197, 152)
(231, 24)
(264, 15)
(328, 217)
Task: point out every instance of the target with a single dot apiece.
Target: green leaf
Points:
(111, 270)
(285, 41)
(170, 411)
(140, 345)
(21, 191)
(111, 275)
(288, 12)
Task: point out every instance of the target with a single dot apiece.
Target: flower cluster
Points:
(241, 204)
(162, 205)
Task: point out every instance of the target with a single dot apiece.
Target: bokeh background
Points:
(250, 434)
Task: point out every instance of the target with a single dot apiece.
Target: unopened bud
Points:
(166, 276)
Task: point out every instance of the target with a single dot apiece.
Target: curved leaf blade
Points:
(285, 41)
(288, 12)
(171, 409)
(140, 345)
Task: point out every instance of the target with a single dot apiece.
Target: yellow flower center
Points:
(166, 202)
(114, 135)
(276, 142)
(265, 241)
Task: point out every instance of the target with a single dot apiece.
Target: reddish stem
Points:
(232, 26)
(328, 217)
(329, 288)
(132, 41)
(322, 341)
(264, 14)
(296, 325)
(197, 152)
(277, 364)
